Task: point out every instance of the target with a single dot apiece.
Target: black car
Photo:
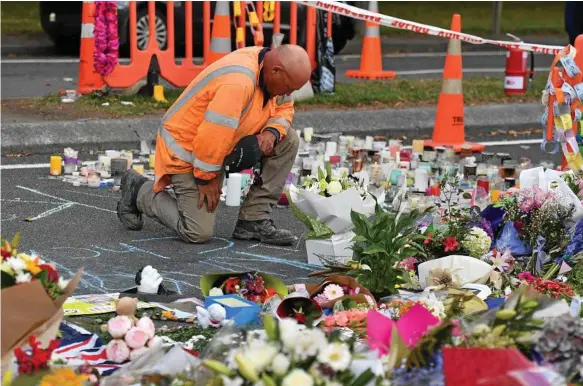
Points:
(61, 20)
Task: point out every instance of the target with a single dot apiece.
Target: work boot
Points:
(264, 231)
(127, 209)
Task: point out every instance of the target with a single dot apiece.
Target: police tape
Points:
(393, 22)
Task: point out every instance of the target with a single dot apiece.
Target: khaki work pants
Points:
(195, 225)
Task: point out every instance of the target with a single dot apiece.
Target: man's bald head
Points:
(286, 69)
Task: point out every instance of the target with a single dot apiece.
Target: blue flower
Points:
(576, 244)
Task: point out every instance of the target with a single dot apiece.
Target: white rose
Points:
(216, 292)
(298, 377)
(280, 364)
(334, 187)
(289, 331)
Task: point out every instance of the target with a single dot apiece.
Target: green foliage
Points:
(575, 276)
(380, 243)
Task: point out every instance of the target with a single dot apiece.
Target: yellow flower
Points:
(32, 266)
(63, 377)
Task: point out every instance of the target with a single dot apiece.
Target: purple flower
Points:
(487, 227)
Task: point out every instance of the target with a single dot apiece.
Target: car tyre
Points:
(143, 31)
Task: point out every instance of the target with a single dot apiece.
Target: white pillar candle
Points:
(368, 143)
(233, 189)
(308, 132)
(331, 148)
(421, 179)
(104, 163)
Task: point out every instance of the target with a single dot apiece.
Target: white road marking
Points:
(51, 211)
(66, 201)
(465, 70)
(512, 143)
(339, 57)
(425, 55)
(36, 166)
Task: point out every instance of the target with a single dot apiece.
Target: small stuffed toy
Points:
(124, 307)
(215, 316)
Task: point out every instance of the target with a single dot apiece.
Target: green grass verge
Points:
(20, 18)
(518, 17)
(371, 95)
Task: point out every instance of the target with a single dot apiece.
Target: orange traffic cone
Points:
(449, 119)
(371, 59)
(221, 34)
(89, 80)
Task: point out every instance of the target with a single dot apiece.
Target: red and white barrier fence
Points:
(393, 22)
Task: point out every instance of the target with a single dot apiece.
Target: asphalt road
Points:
(77, 227)
(28, 77)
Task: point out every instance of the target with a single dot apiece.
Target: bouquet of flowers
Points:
(535, 213)
(324, 203)
(250, 285)
(29, 278)
(354, 319)
(502, 278)
(289, 354)
(459, 229)
(575, 182)
(254, 286)
(329, 182)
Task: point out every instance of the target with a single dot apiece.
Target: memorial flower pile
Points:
(250, 285)
(329, 183)
(290, 354)
(106, 52)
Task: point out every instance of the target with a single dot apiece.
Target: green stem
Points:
(552, 272)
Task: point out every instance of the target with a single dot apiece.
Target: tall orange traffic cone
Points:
(449, 119)
(371, 58)
(89, 80)
(221, 34)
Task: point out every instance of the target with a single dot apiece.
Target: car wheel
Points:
(143, 30)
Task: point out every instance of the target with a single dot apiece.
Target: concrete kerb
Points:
(100, 134)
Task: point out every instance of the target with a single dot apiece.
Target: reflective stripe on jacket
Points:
(223, 104)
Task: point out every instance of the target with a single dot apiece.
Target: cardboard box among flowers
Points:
(32, 297)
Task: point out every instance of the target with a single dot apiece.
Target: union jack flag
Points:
(80, 344)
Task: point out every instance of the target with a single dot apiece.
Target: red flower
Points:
(519, 224)
(451, 244)
(5, 254)
(231, 285)
(37, 359)
(301, 318)
(526, 276)
(52, 274)
(429, 239)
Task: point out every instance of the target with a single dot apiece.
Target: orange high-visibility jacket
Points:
(223, 104)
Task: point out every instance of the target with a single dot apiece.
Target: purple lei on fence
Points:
(106, 51)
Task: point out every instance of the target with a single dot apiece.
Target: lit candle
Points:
(56, 166)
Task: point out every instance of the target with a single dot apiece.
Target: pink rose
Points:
(136, 338)
(341, 319)
(329, 322)
(135, 354)
(117, 351)
(119, 326)
(147, 326)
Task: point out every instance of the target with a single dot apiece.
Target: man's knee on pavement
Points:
(194, 237)
(194, 233)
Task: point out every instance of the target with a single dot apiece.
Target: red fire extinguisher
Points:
(518, 74)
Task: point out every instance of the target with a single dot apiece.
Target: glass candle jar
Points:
(93, 180)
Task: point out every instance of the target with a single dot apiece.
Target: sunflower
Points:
(63, 377)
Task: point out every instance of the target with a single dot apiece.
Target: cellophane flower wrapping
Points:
(156, 361)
